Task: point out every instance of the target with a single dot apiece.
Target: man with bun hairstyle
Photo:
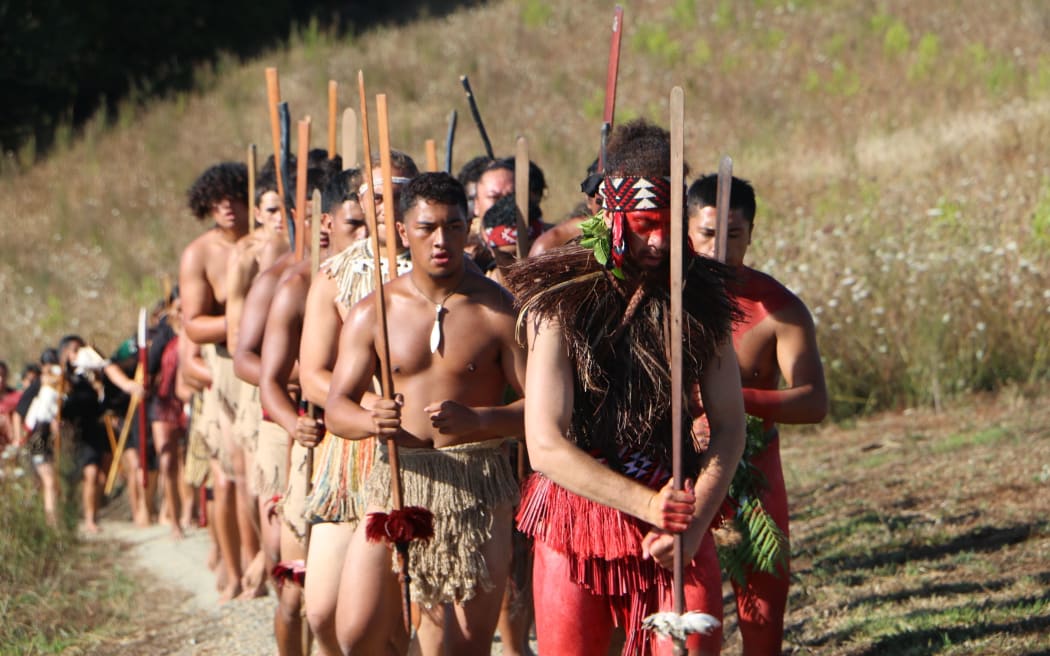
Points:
(600, 507)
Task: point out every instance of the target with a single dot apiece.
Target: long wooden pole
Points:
(476, 113)
(252, 163)
(143, 380)
(273, 99)
(450, 139)
(333, 111)
(521, 194)
(432, 155)
(677, 253)
(611, 75)
(390, 211)
(349, 139)
(722, 201)
(300, 188)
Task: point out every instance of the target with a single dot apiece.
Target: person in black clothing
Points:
(82, 413)
(39, 437)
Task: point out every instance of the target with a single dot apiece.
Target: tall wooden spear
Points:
(251, 189)
(678, 624)
(273, 99)
(611, 75)
(143, 379)
(432, 155)
(450, 138)
(300, 188)
(333, 110)
(414, 522)
(349, 139)
(477, 116)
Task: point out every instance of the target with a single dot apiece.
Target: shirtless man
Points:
(220, 193)
(569, 229)
(280, 350)
(776, 339)
(340, 465)
(598, 421)
(448, 420)
(254, 253)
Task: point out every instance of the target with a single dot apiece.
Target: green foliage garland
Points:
(761, 545)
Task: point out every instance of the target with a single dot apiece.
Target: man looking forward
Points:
(774, 339)
(452, 353)
(219, 194)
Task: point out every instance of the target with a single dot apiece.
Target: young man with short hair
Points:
(452, 353)
(774, 339)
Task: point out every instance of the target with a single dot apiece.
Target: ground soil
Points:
(914, 532)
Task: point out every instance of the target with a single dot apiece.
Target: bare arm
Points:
(198, 298)
(117, 376)
(319, 347)
(240, 270)
(280, 348)
(354, 367)
(720, 391)
(549, 388)
(804, 400)
(246, 359)
(192, 368)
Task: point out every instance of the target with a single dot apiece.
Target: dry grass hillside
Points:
(898, 148)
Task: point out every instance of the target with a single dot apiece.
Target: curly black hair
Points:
(437, 187)
(639, 148)
(225, 181)
(472, 170)
(505, 213)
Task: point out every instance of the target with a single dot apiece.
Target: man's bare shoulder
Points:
(780, 302)
(489, 293)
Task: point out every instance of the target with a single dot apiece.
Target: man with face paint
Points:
(598, 424)
(775, 338)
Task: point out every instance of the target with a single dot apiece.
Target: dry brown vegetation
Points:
(897, 148)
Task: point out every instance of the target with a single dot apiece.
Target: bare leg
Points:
(515, 619)
(129, 462)
(49, 483)
(187, 493)
(288, 619)
(226, 531)
(469, 627)
(165, 444)
(368, 620)
(89, 496)
(253, 562)
(328, 546)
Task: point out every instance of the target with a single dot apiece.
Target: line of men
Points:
(265, 332)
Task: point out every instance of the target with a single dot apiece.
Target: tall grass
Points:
(57, 595)
(897, 149)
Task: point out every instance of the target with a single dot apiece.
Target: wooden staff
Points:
(285, 120)
(333, 111)
(432, 155)
(722, 200)
(251, 189)
(611, 76)
(300, 188)
(677, 252)
(142, 375)
(450, 138)
(477, 116)
(383, 345)
(349, 139)
(125, 430)
(107, 420)
(273, 99)
(521, 194)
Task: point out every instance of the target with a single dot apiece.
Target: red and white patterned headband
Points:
(632, 193)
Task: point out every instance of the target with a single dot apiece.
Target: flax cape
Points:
(343, 465)
(617, 339)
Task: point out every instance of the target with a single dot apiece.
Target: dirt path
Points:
(181, 614)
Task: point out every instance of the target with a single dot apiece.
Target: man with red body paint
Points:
(600, 508)
(775, 339)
